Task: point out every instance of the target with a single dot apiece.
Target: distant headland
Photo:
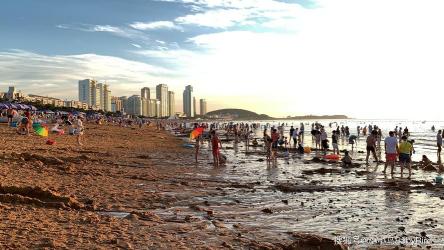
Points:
(242, 114)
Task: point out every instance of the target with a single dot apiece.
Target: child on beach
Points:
(426, 164)
(346, 160)
(216, 145)
(79, 130)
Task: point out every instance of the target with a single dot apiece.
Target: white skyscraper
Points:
(171, 104)
(162, 96)
(152, 108)
(188, 108)
(203, 107)
(194, 106)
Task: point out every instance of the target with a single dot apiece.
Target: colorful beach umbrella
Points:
(42, 131)
(195, 133)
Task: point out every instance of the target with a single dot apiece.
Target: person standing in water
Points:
(215, 145)
(334, 142)
(291, 133)
(371, 146)
(391, 151)
(439, 144)
(197, 147)
(405, 154)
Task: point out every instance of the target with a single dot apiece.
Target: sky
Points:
(362, 58)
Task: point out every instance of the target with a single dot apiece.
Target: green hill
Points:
(241, 114)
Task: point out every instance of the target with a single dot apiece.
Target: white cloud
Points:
(106, 28)
(136, 45)
(114, 30)
(59, 75)
(222, 18)
(155, 25)
(356, 57)
(224, 14)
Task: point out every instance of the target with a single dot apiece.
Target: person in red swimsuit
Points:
(216, 145)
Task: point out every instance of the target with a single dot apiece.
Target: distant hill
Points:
(240, 114)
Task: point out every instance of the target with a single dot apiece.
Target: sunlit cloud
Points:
(155, 25)
(113, 30)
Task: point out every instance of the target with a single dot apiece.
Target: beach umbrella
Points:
(22, 106)
(195, 133)
(3, 106)
(42, 131)
(48, 112)
(27, 107)
(12, 106)
(32, 108)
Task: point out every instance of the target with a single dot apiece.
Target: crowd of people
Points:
(398, 146)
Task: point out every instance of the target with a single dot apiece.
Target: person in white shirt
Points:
(391, 151)
(79, 130)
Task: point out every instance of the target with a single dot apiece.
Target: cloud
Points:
(155, 25)
(216, 18)
(224, 14)
(125, 32)
(60, 74)
(136, 45)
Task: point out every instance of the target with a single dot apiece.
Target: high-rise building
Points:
(124, 100)
(145, 107)
(106, 98)
(171, 104)
(194, 106)
(158, 108)
(203, 107)
(101, 96)
(87, 91)
(152, 108)
(162, 96)
(116, 104)
(145, 93)
(188, 101)
(96, 95)
(134, 105)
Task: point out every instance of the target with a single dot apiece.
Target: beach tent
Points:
(22, 106)
(12, 106)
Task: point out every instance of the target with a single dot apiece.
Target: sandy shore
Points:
(58, 196)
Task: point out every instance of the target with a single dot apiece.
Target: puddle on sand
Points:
(119, 215)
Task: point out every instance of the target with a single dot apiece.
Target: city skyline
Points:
(277, 57)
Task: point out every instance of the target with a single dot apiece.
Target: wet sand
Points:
(110, 194)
